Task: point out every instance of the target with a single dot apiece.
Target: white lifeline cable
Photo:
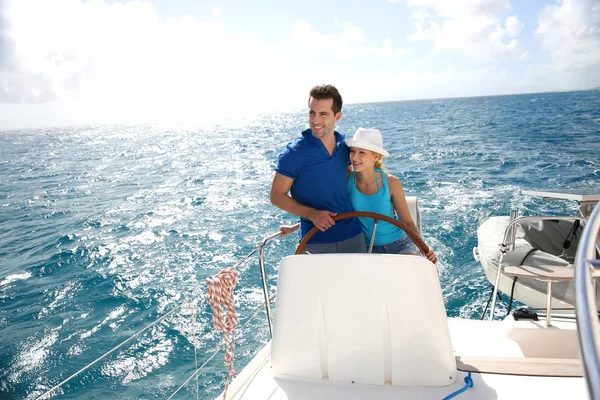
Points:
(43, 396)
(195, 346)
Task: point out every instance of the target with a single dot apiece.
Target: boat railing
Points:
(586, 262)
(508, 243)
(263, 276)
(189, 301)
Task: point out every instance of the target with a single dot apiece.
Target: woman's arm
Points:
(288, 229)
(401, 207)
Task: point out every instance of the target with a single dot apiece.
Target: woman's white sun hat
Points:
(369, 139)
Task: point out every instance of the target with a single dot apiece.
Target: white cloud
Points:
(513, 26)
(472, 27)
(121, 59)
(109, 62)
(350, 41)
(570, 30)
(217, 12)
(455, 8)
(421, 19)
(407, 84)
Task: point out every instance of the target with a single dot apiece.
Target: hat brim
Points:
(367, 146)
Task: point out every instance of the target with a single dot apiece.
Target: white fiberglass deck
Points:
(375, 326)
(522, 343)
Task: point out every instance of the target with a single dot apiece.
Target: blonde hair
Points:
(379, 163)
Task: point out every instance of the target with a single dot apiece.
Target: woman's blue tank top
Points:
(381, 203)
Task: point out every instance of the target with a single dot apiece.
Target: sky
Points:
(73, 62)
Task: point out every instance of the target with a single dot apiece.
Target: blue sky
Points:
(69, 62)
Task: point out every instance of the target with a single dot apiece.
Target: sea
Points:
(104, 229)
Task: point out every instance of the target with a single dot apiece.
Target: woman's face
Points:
(363, 160)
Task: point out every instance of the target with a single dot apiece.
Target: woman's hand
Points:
(288, 229)
(431, 256)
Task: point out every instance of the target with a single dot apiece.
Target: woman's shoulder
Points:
(393, 181)
(391, 177)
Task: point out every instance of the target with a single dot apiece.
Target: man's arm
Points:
(280, 198)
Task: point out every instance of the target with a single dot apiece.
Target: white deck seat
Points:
(362, 318)
(415, 212)
(524, 347)
(521, 366)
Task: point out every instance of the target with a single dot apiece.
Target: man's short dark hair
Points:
(323, 92)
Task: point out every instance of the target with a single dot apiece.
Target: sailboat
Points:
(356, 326)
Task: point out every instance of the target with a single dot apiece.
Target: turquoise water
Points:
(105, 228)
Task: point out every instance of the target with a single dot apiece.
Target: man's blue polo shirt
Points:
(320, 183)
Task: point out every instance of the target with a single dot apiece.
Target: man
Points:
(313, 170)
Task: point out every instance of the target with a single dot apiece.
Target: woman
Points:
(371, 189)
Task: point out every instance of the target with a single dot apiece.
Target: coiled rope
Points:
(220, 297)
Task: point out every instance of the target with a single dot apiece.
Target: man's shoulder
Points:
(340, 137)
(298, 144)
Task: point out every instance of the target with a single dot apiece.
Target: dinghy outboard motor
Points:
(572, 234)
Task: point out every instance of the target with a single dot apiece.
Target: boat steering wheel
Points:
(414, 236)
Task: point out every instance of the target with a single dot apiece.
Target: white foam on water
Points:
(217, 237)
(112, 315)
(15, 277)
(32, 355)
(131, 364)
(144, 238)
(61, 296)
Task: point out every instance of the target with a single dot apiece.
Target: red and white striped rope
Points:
(220, 296)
